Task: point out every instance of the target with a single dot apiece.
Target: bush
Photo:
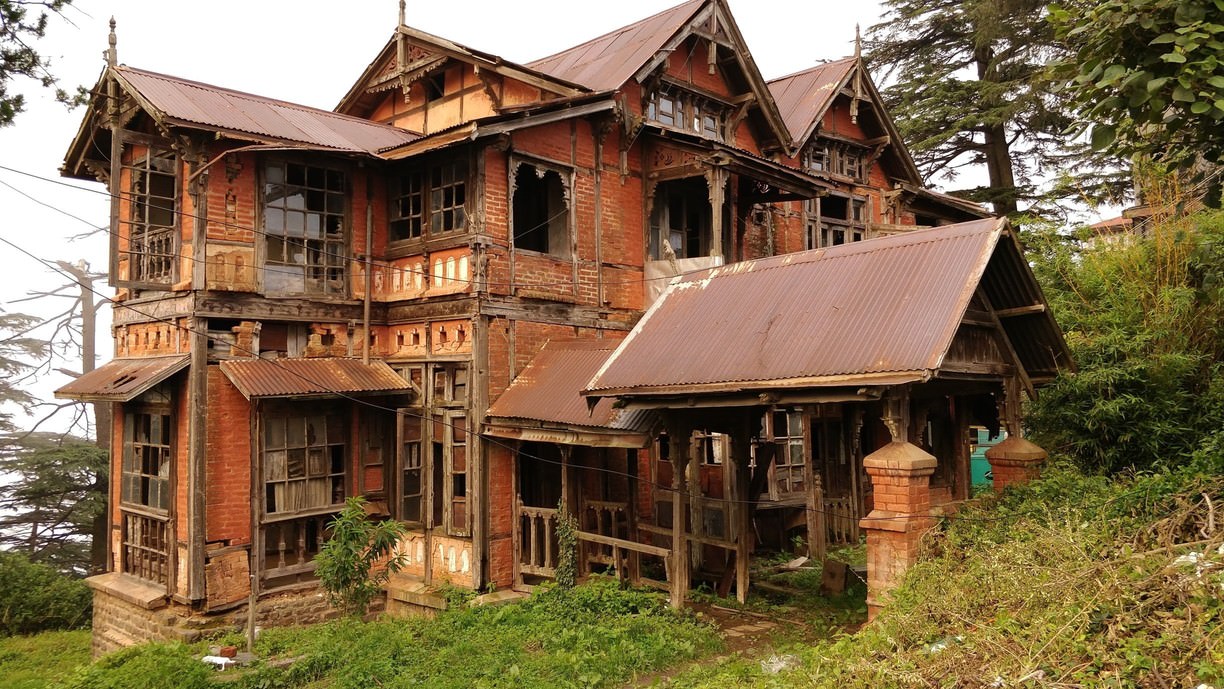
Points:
(358, 557)
(34, 597)
(151, 666)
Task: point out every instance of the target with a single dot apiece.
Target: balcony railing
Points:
(145, 548)
(290, 546)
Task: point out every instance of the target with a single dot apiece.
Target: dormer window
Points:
(676, 108)
(836, 157)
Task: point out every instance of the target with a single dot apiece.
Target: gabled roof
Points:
(877, 312)
(547, 396)
(804, 97)
(610, 60)
(177, 101)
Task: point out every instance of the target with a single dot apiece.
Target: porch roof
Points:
(877, 312)
(312, 377)
(544, 401)
(123, 379)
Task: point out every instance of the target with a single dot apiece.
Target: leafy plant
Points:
(356, 560)
(567, 548)
(35, 597)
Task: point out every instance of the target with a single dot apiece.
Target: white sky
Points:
(309, 52)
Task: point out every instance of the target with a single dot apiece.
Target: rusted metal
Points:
(803, 97)
(607, 62)
(312, 377)
(122, 380)
(844, 315)
(548, 391)
(192, 102)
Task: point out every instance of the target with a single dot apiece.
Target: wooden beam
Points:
(1021, 311)
(1006, 343)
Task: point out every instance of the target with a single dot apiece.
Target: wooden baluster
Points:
(550, 527)
(535, 539)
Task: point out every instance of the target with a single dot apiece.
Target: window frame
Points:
(785, 444)
(332, 247)
(820, 230)
(435, 177)
(565, 229)
(673, 106)
(139, 226)
(302, 412)
(824, 156)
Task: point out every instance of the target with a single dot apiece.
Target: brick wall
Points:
(228, 466)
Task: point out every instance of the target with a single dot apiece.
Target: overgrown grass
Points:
(1073, 581)
(595, 635)
(30, 662)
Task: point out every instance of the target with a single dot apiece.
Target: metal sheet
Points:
(548, 390)
(220, 108)
(607, 62)
(804, 96)
(890, 304)
(122, 380)
(312, 377)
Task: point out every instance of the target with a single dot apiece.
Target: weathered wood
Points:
(197, 442)
(678, 438)
(622, 544)
(741, 443)
(1021, 311)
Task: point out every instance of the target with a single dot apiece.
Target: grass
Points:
(31, 662)
(595, 635)
(1072, 581)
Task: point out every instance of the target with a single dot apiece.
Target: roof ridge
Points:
(823, 65)
(531, 64)
(254, 96)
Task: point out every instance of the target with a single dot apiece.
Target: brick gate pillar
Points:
(900, 478)
(1014, 461)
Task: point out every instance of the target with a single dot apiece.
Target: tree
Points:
(55, 491)
(971, 88)
(358, 557)
(1148, 75)
(19, 28)
(15, 352)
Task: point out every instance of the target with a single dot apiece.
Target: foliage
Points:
(972, 89)
(567, 548)
(151, 666)
(1149, 75)
(31, 662)
(56, 487)
(19, 28)
(16, 349)
(35, 597)
(358, 557)
(1145, 324)
(1073, 580)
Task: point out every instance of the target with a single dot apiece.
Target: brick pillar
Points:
(900, 477)
(1014, 461)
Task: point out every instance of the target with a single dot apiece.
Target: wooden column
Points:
(635, 559)
(716, 181)
(678, 437)
(741, 494)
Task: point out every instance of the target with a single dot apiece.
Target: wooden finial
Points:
(858, 42)
(112, 54)
(402, 3)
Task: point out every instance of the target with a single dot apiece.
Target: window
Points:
(679, 109)
(412, 489)
(786, 431)
(835, 219)
(449, 384)
(304, 224)
(681, 219)
(839, 158)
(145, 495)
(448, 439)
(430, 199)
(541, 210)
(153, 218)
(303, 460)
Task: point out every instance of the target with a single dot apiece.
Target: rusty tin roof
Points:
(192, 102)
(803, 97)
(312, 377)
(122, 380)
(879, 311)
(549, 390)
(610, 60)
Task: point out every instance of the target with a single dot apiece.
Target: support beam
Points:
(678, 436)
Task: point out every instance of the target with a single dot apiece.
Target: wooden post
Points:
(741, 447)
(635, 558)
(678, 439)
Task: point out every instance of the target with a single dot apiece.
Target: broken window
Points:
(429, 200)
(836, 157)
(153, 218)
(412, 467)
(681, 219)
(304, 209)
(448, 439)
(303, 462)
(145, 494)
(540, 202)
(677, 108)
(835, 219)
(786, 432)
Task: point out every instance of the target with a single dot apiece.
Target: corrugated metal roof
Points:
(220, 108)
(311, 377)
(548, 390)
(607, 62)
(804, 96)
(875, 308)
(122, 380)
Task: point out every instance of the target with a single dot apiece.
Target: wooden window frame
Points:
(429, 200)
(303, 413)
(145, 529)
(325, 255)
(822, 231)
(788, 447)
(674, 107)
(152, 247)
(558, 229)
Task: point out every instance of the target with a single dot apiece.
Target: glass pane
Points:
(296, 460)
(296, 429)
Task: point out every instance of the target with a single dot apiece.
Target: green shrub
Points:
(358, 557)
(34, 597)
(150, 666)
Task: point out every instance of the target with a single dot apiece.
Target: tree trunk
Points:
(997, 150)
